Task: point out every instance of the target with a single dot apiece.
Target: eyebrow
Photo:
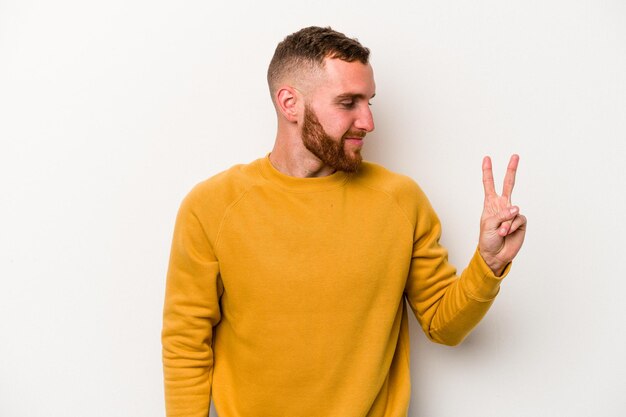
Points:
(353, 96)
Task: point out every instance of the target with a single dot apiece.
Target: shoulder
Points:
(403, 189)
(380, 178)
(223, 189)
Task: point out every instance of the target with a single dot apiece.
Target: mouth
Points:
(354, 142)
(356, 137)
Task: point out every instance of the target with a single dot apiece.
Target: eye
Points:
(347, 104)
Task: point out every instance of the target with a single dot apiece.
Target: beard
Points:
(330, 151)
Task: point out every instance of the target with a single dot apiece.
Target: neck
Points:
(291, 157)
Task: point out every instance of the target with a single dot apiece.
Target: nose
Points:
(365, 121)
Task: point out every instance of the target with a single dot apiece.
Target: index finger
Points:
(509, 178)
(488, 185)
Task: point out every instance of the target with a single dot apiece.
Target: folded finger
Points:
(501, 221)
(518, 222)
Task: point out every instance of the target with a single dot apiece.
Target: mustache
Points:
(355, 134)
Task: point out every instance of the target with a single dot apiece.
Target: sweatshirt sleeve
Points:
(447, 306)
(191, 311)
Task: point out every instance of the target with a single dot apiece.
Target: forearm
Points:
(187, 382)
(191, 310)
(465, 302)
(447, 306)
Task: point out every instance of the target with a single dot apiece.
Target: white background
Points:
(111, 111)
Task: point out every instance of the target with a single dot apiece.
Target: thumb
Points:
(500, 220)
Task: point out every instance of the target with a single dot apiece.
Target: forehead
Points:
(341, 77)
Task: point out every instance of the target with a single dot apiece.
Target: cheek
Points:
(336, 125)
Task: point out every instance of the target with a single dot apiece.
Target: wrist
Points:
(496, 266)
(497, 270)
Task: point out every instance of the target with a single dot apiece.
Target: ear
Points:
(287, 103)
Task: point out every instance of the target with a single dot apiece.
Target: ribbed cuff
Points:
(481, 283)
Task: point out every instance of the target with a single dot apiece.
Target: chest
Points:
(276, 246)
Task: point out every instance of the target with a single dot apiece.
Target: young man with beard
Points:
(288, 276)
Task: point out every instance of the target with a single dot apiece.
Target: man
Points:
(288, 276)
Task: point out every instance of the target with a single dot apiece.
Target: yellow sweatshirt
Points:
(285, 296)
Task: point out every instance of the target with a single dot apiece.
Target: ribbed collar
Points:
(297, 185)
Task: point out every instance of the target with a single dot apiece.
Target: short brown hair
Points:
(307, 49)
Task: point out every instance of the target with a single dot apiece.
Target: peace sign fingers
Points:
(502, 227)
(509, 178)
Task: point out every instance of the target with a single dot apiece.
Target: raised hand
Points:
(502, 227)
